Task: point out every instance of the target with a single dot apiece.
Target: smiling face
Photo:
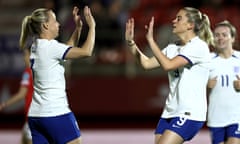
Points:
(222, 37)
(181, 24)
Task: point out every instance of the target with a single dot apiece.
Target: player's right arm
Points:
(146, 62)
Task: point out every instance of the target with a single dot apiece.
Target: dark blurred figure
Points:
(108, 28)
(193, 3)
(109, 36)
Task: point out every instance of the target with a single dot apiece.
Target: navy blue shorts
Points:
(184, 127)
(58, 130)
(220, 134)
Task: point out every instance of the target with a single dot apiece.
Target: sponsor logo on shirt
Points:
(237, 132)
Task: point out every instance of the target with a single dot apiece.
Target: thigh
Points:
(170, 137)
(233, 134)
(182, 127)
(217, 134)
(37, 136)
(26, 134)
(162, 125)
(185, 127)
(59, 129)
(157, 138)
(62, 129)
(233, 140)
(76, 141)
(26, 131)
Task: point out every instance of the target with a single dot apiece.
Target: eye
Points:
(216, 35)
(179, 18)
(225, 35)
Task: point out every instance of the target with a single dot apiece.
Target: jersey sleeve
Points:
(26, 78)
(58, 50)
(195, 53)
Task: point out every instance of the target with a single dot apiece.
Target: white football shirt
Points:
(49, 98)
(187, 97)
(224, 100)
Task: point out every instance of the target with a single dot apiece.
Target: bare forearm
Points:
(146, 62)
(74, 39)
(90, 41)
(14, 99)
(161, 58)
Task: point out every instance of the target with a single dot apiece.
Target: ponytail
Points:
(31, 26)
(201, 22)
(25, 32)
(205, 32)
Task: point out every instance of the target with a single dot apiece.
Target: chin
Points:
(56, 35)
(174, 30)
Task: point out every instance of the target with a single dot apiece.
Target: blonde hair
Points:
(226, 23)
(31, 25)
(201, 22)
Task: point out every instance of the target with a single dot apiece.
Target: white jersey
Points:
(49, 98)
(224, 100)
(187, 97)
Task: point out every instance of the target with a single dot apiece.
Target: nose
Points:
(219, 37)
(174, 20)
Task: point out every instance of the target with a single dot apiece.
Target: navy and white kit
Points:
(186, 105)
(224, 100)
(49, 113)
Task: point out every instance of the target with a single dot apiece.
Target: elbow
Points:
(168, 68)
(88, 49)
(85, 54)
(89, 52)
(146, 65)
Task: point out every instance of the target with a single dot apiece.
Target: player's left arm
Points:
(22, 92)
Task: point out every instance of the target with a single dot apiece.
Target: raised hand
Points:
(88, 16)
(129, 33)
(236, 83)
(76, 17)
(212, 82)
(149, 35)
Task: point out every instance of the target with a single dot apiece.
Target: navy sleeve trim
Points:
(190, 62)
(63, 57)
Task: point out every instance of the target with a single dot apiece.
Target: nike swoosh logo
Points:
(176, 126)
(237, 132)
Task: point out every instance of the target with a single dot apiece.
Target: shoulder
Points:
(199, 42)
(213, 55)
(26, 74)
(45, 41)
(196, 46)
(236, 54)
(171, 47)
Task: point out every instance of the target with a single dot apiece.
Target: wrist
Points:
(150, 40)
(78, 26)
(130, 43)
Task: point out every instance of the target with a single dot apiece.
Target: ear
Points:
(190, 26)
(233, 40)
(45, 26)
